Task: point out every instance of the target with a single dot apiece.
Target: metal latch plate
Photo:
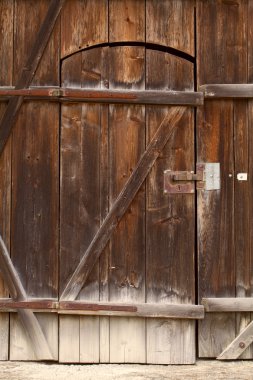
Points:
(211, 176)
(207, 177)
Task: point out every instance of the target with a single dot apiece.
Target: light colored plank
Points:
(170, 342)
(69, 339)
(127, 340)
(89, 339)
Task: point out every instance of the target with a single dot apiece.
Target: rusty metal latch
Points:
(207, 177)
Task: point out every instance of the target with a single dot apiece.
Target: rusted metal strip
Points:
(213, 91)
(18, 293)
(9, 304)
(164, 131)
(149, 310)
(107, 96)
(29, 70)
(72, 305)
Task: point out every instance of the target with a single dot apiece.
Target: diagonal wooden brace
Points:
(239, 344)
(29, 70)
(164, 131)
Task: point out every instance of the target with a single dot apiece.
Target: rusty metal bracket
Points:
(207, 177)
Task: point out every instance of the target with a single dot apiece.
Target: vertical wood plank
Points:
(171, 23)
(81, 160)
(170, 220)
(70, 209)
(215, 226)
(83, 23)
(127, 21)
(104, 332)
(34, 234)
(127, 142)
(250, 152)
(6, 63)
(242, 216)
(94, 74)
(221, 59)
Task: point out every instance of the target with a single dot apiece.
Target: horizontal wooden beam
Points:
(175, 311)
(61, 94)
(227, 304)
(227, 91)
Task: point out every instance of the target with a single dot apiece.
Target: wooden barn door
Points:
(150, 255)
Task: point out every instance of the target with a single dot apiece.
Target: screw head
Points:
(242, 345)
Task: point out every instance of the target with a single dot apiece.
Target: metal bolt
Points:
(242, 345)
(230, 175)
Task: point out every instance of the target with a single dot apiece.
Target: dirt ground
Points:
(203, 370)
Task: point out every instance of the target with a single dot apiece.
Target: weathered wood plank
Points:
(127, 245)
(171, 23)
(227, 90)
(93, 75)
(34, 239)
(168, 219)
(83, 23)
(71, 212)
(225, 22)
(106, 96)
(30, 67)
(175, 311)
(6, 76)
(221, 58)
(250, 152)
(228, 304)
(215, 220)
(81, 188)
(235, 349)
(164, 131)
(242, 213)
(104, 340)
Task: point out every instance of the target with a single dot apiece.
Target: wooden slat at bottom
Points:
(176, 311)
(105, 96)
(227, 304)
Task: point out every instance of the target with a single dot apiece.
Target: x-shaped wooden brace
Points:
(73, 287)
(9, 273)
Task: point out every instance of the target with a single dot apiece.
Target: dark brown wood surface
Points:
(120, 205)
(6, 77)
(170, 219)
(53, 202)
(34, 226)
(221, 135)
(126, 278)
(171, 23)
(31, 61)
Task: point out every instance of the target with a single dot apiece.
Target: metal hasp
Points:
(207, 177)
